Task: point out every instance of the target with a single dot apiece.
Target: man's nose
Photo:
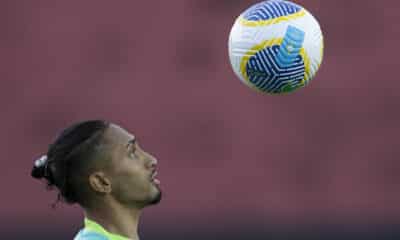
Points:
(152, 161)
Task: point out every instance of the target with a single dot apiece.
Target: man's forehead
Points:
(118, 135)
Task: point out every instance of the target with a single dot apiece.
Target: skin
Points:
(124, 186)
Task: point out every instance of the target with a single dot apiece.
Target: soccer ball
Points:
(276, 47)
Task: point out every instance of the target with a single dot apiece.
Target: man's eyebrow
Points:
(131, 142)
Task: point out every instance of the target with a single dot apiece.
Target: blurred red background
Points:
(327, 153)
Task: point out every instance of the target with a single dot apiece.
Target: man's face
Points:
(132, 170)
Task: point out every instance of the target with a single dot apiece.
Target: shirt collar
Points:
(95, 227)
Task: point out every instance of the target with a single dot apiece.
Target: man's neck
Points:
(116, 219)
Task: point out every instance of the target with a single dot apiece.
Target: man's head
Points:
(97, 160)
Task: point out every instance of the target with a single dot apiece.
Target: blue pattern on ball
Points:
(270, 9)
(279, 66)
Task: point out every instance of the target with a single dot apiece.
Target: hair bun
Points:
(39, 167)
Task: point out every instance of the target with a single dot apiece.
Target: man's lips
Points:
(154, 179)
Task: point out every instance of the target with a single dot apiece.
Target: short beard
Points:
(156, 199)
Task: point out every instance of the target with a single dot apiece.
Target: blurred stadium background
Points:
(322, 163)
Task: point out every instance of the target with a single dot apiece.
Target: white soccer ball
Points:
(276, 47)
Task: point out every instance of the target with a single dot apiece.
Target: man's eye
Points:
(133, 153)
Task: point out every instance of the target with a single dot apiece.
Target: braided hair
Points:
(69, 158)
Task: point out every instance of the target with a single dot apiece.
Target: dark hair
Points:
(68, 157)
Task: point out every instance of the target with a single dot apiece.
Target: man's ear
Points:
(99, 182)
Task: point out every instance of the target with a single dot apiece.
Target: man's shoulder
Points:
(85, 234)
